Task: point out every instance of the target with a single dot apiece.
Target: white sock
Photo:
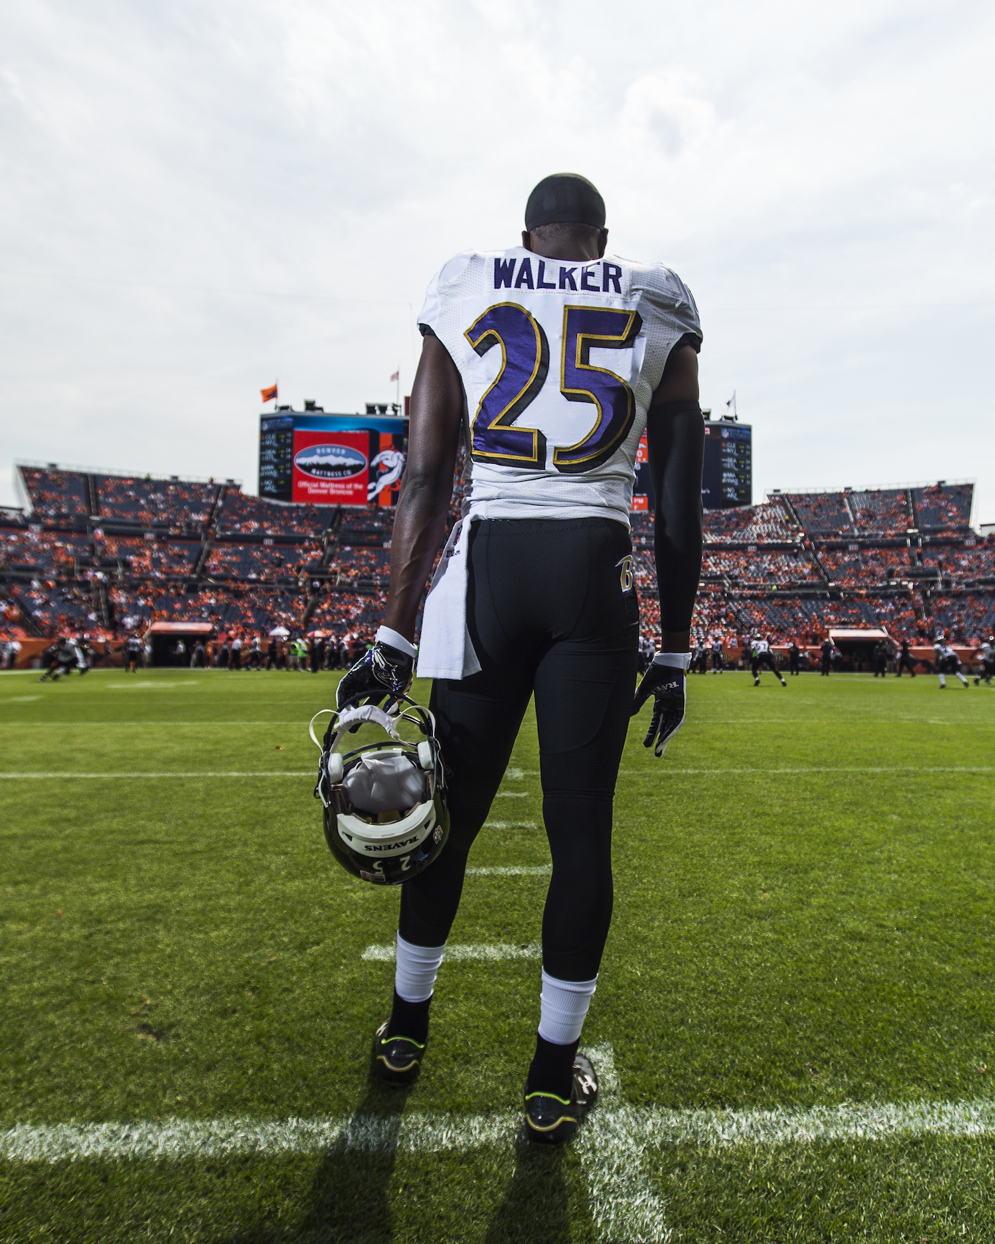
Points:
(417, 968)
(943, 680)
(563, 1008)
(963, 679)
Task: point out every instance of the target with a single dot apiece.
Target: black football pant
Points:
(905, 664)
(551, 610)
(764, 660)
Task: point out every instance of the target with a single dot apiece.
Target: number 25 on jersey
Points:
(495, 435)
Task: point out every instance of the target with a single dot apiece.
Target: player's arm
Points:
(436, 415)
(676, 440)
(675, 434)
(435, 420)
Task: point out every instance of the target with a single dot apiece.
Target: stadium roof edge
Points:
(919, 483)
(116, 471)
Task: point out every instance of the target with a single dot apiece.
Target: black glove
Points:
(381, 673)
(667, 686)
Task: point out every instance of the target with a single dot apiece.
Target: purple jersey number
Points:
(524, 364)
(601, 328)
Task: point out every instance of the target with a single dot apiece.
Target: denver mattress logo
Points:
(330, 462)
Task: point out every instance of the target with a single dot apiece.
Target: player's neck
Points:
(570, 249)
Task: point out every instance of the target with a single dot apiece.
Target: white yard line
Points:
(509, 825)
(649, 770)
(611, 1145)
(256, 773)
(802, 769)
(646, 1127)
(523, 870)
(853, 770)
(482, 952)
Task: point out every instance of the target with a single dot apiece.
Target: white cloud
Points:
(202, 197)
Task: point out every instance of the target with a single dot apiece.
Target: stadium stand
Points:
(823, 514)
(110, 554)
(242, 515)
(882, 512)
(943, 507)
(753, 524)
(56, 494)
(178, 505)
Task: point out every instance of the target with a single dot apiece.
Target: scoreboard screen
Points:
(726, 473)
(353, 460)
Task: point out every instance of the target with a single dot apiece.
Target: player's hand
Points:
(666, 684)
(381, 673)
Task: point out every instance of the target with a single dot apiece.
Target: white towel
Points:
(446, 650)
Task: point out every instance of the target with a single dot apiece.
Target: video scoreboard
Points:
(726, 473)
(327, 459)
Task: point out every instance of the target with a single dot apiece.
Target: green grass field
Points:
(797, 994)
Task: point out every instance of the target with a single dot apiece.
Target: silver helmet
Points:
(385, 812)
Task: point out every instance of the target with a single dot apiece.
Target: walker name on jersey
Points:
(595, 278)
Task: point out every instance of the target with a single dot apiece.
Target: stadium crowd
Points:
(111, 555)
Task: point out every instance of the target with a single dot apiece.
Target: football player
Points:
(718, 664)
(132, 653)
(562, 355)
(947, 662)
(905, 661)
(761, 657)
(986, 655)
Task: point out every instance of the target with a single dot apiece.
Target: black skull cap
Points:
(565, 199)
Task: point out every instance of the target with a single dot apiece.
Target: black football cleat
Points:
(551, 1120)
(397, 1059)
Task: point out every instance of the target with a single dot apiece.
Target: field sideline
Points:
(794, 1018)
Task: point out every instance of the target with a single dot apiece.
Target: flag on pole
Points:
(395, 377)
(269, 395)
(731, 404)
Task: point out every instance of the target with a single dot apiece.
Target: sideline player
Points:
(761, 657)
(794, 658)
(718, 664)
(828, 650)
(564, 355)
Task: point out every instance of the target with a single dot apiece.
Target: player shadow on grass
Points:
(349, 1198)
(535, 1208)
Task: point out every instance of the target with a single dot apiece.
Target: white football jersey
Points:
(559, 360)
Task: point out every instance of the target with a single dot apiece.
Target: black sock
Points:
(551, 1071)
(409, 1019)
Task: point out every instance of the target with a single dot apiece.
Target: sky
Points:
(203, 197)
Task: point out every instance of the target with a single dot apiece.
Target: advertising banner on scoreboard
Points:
(331, 460)
(331, 468)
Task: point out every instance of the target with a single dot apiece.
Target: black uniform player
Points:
(828, 649)
(794, 658)
(905, 661)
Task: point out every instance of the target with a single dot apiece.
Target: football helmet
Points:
(385, 812)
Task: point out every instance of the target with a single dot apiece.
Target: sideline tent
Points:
(163, 637)
(860, 641)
